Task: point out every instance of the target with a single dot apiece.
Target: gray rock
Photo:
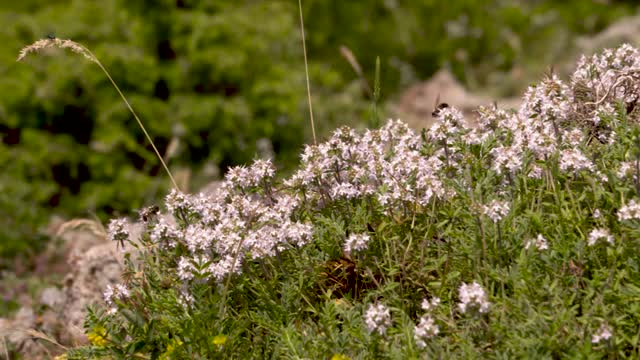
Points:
(626, 30)
(52, 297)
(418, 102)
(100, 266)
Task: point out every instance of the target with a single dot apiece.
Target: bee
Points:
(149, 213)
(438, 106)
(51, 36)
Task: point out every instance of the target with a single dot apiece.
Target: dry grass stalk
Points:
(92, 226)
(56, 43)
(306, 71)
(77, 48)
(40, 335)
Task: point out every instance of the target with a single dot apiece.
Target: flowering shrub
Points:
(69, 145)
(406, 244)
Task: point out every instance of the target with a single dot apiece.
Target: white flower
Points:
(164, 233)
(430, 305)
(626, 168)
(186, 299)
(496, 210)
(185, 269)
(536, 172)
(122, 291)
(118, 230)
(473, 296)
(177, 202)
(449, 123)
(112, 293)
(299, 233)
(344, 190)
(629, 211)
(377, 318)
(198, 237)
(540, 243)
(597, 214)
(356, 242)
(425, 329)
(603, 333)
(597, 234)
(108, 294)
(259, 171)
(574, 160)
(227, 265)
(508, 158)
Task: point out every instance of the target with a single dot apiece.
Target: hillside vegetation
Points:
(517, 238)
(221, 83)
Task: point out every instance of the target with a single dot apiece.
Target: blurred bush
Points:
(224, 81)
(480, 41)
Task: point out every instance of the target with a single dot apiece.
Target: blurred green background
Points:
(223, 82)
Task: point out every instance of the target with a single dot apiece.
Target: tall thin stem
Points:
(144, 130)
(80, 49)
(306, 71)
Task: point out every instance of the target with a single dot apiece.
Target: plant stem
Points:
(306, 71)
(144, 130)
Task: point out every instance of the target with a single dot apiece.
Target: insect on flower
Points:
(438, 106)
(149, 213)
(118, 230)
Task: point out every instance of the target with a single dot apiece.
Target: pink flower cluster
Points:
(608, 77)
(426, 327)
(473, 298)
(385, 164)
(557, 118)
(378, 318)
(399, 172)
(247, 217)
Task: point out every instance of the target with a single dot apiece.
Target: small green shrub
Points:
(514, 239)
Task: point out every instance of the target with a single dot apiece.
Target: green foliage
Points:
(439, 214)
(477, 40)
(219, 78)
(206, 77)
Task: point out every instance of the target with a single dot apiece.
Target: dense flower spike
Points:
(473, 297)
(425, 330)
(384, 164)
(608, 77)
(118, 230)
(574, 160)
(245, 217)
(356, 242)
(165, 233)
(496, 210)
(378, 318)
(113, 293)
(598, 234)
(630, 211)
